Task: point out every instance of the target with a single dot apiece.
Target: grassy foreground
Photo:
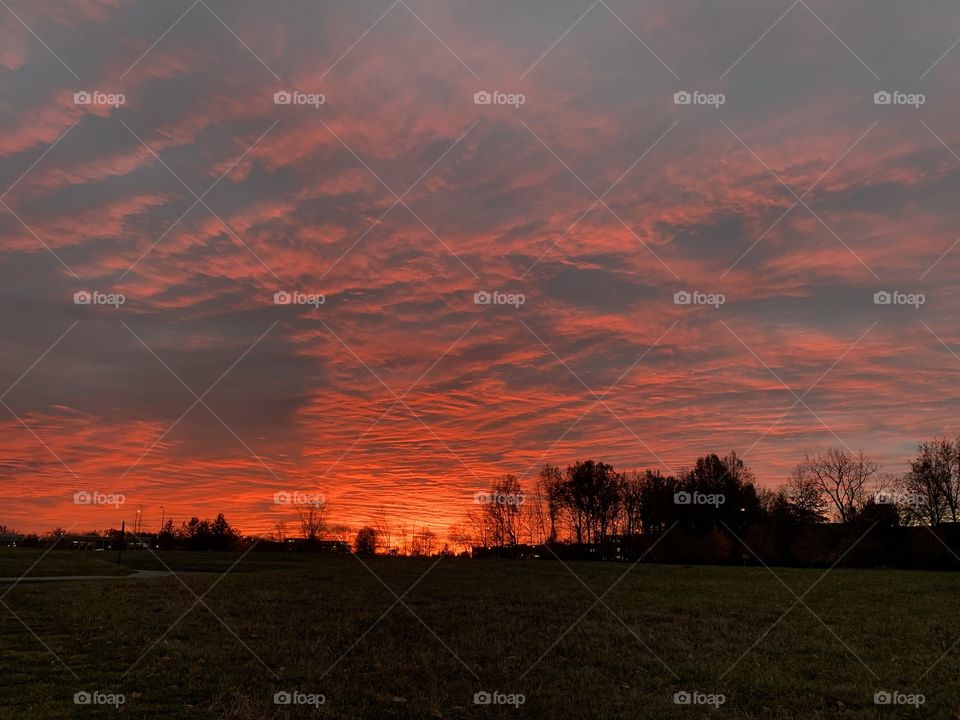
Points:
(327, 626)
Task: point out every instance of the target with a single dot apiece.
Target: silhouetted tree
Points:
(720, 492)
(551, 488)
(196, 533)
(312, 516)
(802, 499)
(591, 492)
(873, 512)
(366, 541)
(479, 528)
(933, 480)
(382, 526)
(206, 535)
(166, 535)
(222, 534)
(841, 476)
(424, 543)
(503, 510)
(658, 511)
(461, 537)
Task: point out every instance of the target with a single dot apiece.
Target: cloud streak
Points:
(500, 198)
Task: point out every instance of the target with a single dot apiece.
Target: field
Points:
(331, 626)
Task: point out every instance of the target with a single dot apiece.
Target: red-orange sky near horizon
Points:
(387, 253)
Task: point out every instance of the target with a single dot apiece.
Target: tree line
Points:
(590, 502)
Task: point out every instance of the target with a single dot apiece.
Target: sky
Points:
(150, 163)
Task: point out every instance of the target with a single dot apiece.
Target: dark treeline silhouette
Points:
(835, 507)
(197, 534)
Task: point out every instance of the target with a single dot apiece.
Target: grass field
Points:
(326, 625)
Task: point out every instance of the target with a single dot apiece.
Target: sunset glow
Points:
(382, 165)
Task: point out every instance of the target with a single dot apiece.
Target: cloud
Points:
(501, 198)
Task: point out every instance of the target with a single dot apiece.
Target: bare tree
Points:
(932, 481)
(480, 528)
(424, 543)
(551, 487)
(632, 488)
(535, 516)
(405, 539)
(312, 517)
(381, 523)
(503, 510)
(841, 476)
(459, 536)
(592, 498)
